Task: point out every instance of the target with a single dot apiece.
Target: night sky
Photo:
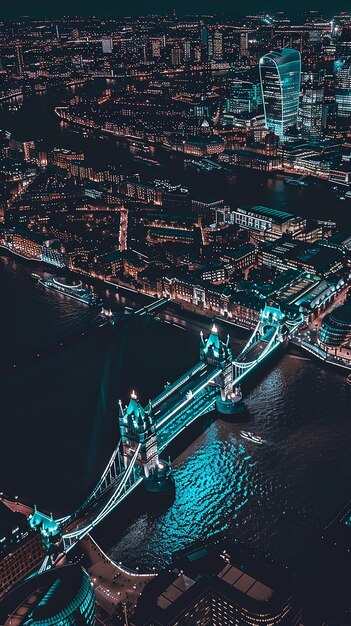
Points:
(140, 7)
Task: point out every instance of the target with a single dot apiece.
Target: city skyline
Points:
(38, 8)
(175, 255)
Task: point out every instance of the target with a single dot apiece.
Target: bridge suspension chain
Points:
(129, 479)
(245, 367)
(110, 474)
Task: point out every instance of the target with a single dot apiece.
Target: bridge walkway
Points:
(180, 385)
(192, 384)
(256, 349)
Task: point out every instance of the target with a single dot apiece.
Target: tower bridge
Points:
(212, 383)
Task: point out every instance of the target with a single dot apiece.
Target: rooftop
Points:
(274, 215)
(244, 581)
(54, 591)
(280, 57)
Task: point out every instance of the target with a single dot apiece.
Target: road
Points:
(113, 584)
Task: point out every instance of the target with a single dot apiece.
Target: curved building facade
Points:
(280, 75)
(336, 327)
(62, 596)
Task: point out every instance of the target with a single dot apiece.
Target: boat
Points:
(145, 160)
(75, 290)
(35, 276)
(251, 437)
(296, 181)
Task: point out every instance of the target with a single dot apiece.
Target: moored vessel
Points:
(74, 290)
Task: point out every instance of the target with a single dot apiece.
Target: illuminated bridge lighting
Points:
(192, 395)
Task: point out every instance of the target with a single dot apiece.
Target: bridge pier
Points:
(215, 352)
(137, 426)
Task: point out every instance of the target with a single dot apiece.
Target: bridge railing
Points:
(212, 375)
(200, 405)
(178, 383)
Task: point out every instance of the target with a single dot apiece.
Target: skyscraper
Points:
(244, 44)
(217, 45)
(107, 45)
(343, 89)
(19, 60)
(280, 74)
(312, 105)
(244, 97)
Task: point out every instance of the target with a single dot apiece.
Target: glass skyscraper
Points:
(280, 74)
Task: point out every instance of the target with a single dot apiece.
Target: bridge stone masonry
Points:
(211, 384)
(138, 429)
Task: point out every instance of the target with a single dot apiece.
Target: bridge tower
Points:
(138, 426)
(215, 352)
(50, 532)
(273, 317)
(271, 331)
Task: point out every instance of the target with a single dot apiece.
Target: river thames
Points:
(60, 416)
(36, 120)
(59, 409)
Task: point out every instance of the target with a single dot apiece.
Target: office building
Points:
(209, 586)
(62, 596)
(217, 45)
(19, 60)
(21, 549)
(267, 223)
(280, 74)
(334, 335)
(107, 45)
(312, 106)
(343, 89)
(244, 97)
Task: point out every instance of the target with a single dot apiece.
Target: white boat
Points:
(75, 291)
(251, 437)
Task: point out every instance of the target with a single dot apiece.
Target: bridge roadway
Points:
(190, 396)
(255, 351)
(176, 409)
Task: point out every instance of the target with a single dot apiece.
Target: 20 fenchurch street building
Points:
(280, 73)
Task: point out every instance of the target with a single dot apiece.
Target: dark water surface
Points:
(37, 120)
(58, 419)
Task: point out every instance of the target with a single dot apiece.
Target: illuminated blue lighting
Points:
(280, 75)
